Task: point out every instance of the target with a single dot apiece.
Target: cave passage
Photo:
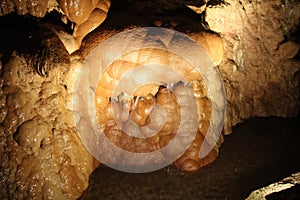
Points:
(259, 152)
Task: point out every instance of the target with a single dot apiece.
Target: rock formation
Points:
(85, 14)
(260, 71)
(41, 153)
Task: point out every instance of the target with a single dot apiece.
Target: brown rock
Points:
(37, 8)
(96, 17)
(41, 154)
(288, 50)
(259, 73)
(85, 14)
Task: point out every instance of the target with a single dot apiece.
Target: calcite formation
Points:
(36, 8)
(145, 106)
(124, 107)
(256, 49)
(41, 154)
(85, 14)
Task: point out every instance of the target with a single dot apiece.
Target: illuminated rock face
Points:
(260, 75)
(87, 15)
(146, 104)
(37, 8)
(41, 154)
(123, 107)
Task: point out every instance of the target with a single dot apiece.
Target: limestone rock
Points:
(113, 73)
(41, 154)
(37, 8)
(85, 14)
(260, 75)
(276, 187)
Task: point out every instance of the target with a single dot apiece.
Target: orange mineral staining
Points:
(86, 14)
(123, 116)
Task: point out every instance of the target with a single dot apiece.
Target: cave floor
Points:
(259, 152)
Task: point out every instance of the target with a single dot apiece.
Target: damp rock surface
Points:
(256, 48)
(41, 154)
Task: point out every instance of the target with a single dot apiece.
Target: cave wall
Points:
(84, 16)
(260, 62)
(41, 154)
(259, 68)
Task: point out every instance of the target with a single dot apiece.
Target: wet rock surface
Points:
(41, 154)
(260, 65)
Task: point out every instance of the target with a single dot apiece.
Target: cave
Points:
(141, 99)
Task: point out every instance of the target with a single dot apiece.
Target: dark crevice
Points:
(217, 3)
(27, 37)
(172, 14)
